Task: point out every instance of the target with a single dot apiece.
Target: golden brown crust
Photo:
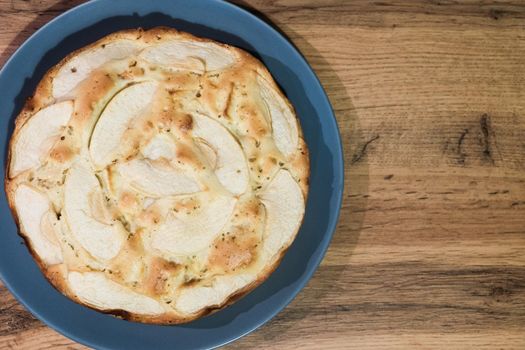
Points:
(256, 126)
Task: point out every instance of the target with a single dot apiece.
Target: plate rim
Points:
(329, 232)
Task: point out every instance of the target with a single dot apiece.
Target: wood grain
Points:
(429, 250)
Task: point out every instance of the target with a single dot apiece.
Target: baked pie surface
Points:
(157, 176)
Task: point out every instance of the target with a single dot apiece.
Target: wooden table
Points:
(430, 249)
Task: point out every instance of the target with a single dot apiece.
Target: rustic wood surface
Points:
(430, 249)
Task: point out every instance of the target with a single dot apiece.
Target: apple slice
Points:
(95, 289)
(160, 146)
(155, 181)
(33, 210)
(285, 207)
(115, 120)
(228, 159)
(284, 123)
(101, 240)
(194, 299)
(188, 232)
(189, 55)
(38, 135)
(80, 66)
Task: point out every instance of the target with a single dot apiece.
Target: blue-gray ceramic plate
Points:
(223, 22)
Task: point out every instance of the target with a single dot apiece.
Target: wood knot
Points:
(495, 14)
(486, 134)
(362, 150)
